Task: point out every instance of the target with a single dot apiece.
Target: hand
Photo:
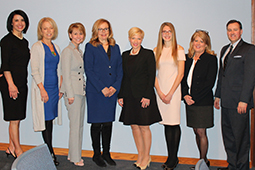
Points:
(1, 75)
(13, 91)
(241, 108)
(112, 91)
(106, 91)
(188, 100)
(145, 102)
(120, 101)
(71, 100)
(168, 98)
(217, 103)
(60, 95)
(44, 95)
(162, 96)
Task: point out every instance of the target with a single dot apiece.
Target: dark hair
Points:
(234, 21)
(10, 17)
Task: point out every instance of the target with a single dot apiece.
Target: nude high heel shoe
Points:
(144, 167)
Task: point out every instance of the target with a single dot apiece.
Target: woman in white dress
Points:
(170, 61)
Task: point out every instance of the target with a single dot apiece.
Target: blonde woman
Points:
(170, 60)
(137, 97)
(74, 90)
(47, 79)
(199, 78)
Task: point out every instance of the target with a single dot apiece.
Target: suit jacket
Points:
(203, 79)
(72, 71)
(142, 78)
(237, 82)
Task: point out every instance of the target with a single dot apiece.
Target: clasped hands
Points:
(144, 102)
(165, 98)
(108, 92)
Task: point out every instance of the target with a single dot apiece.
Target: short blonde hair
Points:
(79, 26)
(94, 39)
(204, 35)
(135, 31)
(53, 24)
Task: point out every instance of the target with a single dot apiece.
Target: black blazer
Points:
(203, 79)
(141, 80)
(237, 82)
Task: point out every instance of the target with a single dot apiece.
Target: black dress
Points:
(132, 112)
(15, 57)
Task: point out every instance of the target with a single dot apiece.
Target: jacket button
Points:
(80, 66)
(79, 73)
(79, 79)
(110, 74)
(110, 66)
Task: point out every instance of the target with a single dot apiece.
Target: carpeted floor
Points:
(5, 164)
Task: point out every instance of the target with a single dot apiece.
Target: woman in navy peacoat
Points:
(103, 68)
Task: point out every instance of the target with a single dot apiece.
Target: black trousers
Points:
(236, 138)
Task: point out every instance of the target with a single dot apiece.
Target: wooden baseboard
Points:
(124, 156)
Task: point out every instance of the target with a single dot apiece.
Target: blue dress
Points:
(51, 83)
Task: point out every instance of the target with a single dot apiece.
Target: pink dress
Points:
(166, 76)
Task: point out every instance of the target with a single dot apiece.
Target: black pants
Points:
(236, 138)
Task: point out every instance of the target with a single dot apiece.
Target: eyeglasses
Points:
(202, 31)
(103, 29)
(165, 32)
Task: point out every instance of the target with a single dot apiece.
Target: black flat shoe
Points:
(109, 160)
(208, 163)
(99, 161)
(55, 160)
(171, 168)
(163, 165)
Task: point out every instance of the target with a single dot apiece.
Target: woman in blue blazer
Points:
(103, 68)
(197, 83)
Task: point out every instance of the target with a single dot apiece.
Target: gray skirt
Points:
(199, 116)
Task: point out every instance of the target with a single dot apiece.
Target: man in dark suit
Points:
(235, 86)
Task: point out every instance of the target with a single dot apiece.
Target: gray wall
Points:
(186, 15)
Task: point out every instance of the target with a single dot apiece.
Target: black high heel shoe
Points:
(10, 153)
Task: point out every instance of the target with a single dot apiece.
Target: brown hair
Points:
(94, 39)
(160, 43)
(79, 26)
(205, 37)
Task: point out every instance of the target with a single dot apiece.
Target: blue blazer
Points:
(102, 72)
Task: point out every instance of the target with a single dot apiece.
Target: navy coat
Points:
(102, 72)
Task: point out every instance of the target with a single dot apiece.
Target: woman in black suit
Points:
(137, 97)
(197, 83)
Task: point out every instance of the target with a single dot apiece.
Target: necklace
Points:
(134, 53)
(51, 48)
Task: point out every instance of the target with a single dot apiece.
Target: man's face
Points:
(234, 32)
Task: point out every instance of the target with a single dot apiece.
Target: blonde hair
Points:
(206, 39)
(94, 39)
(160, 43)
(53, 24)
(79, 26)
(135, 31)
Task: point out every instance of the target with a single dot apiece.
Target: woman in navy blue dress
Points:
(47, 78)
(103, 68)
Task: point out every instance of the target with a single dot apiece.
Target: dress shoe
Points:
(99, 161)
(81, 163)
(223, 168)
(147, 165)
(108, 159)
(136, 164)
(10, 153)
(171, 168)
(55, 160)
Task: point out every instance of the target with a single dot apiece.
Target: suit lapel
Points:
(231, 56)
(102, 51)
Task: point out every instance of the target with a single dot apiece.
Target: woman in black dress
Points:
(137, 97)
(15, 57)
(197, 83)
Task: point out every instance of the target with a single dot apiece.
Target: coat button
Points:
(110, 74)
(79, 79)
(79, 73)
(110, 66)
(80, 66)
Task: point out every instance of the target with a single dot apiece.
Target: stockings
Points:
(202, 142)
(172, 135)
(47, 135)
